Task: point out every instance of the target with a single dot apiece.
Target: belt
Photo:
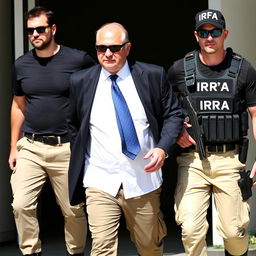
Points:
(48, 139)
(220, 148)
(213, 148)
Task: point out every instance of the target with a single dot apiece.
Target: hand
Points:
(158, 158)
(253, 172)
(12, 159)
(185, 140)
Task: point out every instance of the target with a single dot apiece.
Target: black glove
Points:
(245, 184)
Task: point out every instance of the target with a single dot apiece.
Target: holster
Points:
(245, 184)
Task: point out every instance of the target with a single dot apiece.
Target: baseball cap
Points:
(210, 16)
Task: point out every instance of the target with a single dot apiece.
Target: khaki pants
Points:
(197, 180)
(143, 219)
(37, 161)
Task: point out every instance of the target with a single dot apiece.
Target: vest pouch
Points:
(221, 128)
(236, 127)
(228, 127)
(213, 128)
(205, 126)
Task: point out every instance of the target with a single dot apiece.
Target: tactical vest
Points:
(221, 113)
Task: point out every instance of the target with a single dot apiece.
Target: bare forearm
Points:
(17, 119)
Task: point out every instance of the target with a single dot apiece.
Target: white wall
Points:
(241, 23)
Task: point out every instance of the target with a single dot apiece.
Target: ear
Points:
(54, 29)
(196, 36)
(128, 48)
(226, 31)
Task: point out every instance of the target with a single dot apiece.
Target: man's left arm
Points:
(252, 111)
(172, 122)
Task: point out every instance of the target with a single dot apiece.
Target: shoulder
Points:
(76, 58)
(177, 65)
(85, 73)
(28, 56)
(146, 67)
(73, 52)
(246, 66)
(176, 69)
(69, 50)
(24, 62)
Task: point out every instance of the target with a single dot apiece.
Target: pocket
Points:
(20, 143)
(162, 229)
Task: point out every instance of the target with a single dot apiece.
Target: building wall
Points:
(7, 228)
(241, 23)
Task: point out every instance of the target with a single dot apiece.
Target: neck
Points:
(49, 51)
(212, 59)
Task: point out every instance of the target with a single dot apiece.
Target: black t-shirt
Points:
(246, 87)
(45, 84)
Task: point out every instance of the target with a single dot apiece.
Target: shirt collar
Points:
(122, 73)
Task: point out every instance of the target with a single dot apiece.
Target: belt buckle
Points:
(51, 140)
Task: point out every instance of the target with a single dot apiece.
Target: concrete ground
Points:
(53, 245)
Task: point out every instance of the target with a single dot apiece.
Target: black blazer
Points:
(161, 106)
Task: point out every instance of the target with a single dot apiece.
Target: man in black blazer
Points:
(117, 182)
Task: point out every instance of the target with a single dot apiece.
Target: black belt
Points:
(48, 139)
(213, 148)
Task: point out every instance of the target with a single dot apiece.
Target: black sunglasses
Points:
(205, 33)
(39, 30)
(112, 48)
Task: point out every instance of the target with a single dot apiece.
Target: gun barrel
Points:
(196, 129)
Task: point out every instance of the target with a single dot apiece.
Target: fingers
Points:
(158, 158)
(185, 140)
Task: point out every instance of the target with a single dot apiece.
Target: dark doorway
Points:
(159, 34)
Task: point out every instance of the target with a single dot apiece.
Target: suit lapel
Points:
(142, 85)
(89, 92)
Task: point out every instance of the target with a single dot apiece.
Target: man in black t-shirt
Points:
(39, 111)
(216, 87)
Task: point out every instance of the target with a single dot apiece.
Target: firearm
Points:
(245, 184)
(197, 133)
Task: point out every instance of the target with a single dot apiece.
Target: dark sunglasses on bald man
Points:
(112, 48)
(39, 30)
(203, 33)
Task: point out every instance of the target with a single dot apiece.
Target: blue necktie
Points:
(130, 142)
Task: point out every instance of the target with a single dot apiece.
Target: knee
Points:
(191, 229)
(20, 206)
(233, 232)
(74, 212)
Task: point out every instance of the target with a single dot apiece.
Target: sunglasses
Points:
(39, 30)
(112, 48)
(205, 33)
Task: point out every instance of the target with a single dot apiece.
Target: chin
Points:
(210, 50)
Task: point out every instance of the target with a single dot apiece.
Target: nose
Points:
(35, 33)
(108, 52)
(209, 36)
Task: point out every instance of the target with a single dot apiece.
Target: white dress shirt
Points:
(106, 167)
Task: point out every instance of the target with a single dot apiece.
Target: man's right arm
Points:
(17, 119)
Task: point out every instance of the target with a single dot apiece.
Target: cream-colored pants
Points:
(143, 219)
(197, 181)
(37, 161)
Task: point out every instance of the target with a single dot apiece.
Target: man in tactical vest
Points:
(216, 87)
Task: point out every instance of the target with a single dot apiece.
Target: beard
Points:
(41, 45)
